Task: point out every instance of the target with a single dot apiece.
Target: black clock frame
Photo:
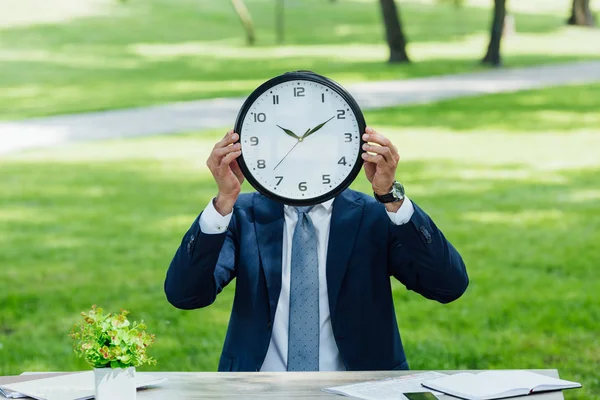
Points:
(313, 77)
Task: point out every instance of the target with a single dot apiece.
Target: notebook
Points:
(76, 386)
(497, 384)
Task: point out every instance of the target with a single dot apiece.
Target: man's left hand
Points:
(381, 159)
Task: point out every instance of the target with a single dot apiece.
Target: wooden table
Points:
(277, 385)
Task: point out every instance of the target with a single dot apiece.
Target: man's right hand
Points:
(223, 165)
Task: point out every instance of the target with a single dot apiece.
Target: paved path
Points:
(221, 113)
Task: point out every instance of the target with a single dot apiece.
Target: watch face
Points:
(301, 139)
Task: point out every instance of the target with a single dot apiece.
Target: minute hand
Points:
(316, 128)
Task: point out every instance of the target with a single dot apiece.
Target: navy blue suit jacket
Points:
(364, 250)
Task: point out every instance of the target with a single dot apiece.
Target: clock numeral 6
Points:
(279, 179)
(298, 92)
(253, 141)
(348, 137)
(326, 179)
(342, 161)
(341, 114)
(302, 186)
(261, 164)
(260, 117)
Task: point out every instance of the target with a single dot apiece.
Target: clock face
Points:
(301, 139)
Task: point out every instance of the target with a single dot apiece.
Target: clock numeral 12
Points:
(298, 92)
(260, 117)
(326, 179)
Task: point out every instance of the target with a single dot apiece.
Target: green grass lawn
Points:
(513, 180)
(81, 55)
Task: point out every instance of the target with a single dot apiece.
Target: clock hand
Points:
(299, 140)
(289, 132)
(316, 128)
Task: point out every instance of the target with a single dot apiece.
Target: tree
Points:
(492, 57)
(393, 32)
(279, 20)
(244, 14)
(581, 14)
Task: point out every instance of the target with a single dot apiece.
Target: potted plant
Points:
(114, 347)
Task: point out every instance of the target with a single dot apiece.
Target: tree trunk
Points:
(581, 14)
(492, 57)
(279, 20)
(393, 32)
(244, 14)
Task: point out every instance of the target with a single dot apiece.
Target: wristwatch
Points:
(396, 194)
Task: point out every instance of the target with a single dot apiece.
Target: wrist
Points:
(392, 196)
(224, 204)
(394, 207)
(381, 192)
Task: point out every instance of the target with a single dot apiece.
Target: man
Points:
(313, 287)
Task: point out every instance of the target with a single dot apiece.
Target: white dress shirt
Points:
(211, 222)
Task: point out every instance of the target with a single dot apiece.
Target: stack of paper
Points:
(74, 386)
(387, 389)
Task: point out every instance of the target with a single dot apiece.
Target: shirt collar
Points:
(326, 205)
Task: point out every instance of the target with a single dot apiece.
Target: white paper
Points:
(77, 386)
(387, 389)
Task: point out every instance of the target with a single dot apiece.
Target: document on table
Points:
(387, 389)
(77, 386)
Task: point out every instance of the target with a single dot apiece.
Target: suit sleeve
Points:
(202, 266)
(424, 261)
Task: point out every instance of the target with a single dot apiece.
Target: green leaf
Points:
(107, 340)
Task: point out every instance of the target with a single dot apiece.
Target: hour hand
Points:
(290, 133)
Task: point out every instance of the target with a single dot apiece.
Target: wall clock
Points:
(301, 138)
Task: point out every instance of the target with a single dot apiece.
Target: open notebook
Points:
(76, 386)
(497, 384)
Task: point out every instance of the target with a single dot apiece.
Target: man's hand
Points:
(226, 172)
(380, 167)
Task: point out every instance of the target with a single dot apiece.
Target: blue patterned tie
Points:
(303, 340)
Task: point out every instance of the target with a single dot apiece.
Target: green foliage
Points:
(107, 340)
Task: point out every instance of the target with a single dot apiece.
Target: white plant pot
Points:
(115, 383)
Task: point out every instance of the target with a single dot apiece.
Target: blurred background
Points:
(513, 179)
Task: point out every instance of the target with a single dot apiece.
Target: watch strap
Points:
(386, 198)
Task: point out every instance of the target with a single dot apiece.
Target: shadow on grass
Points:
(69, 91)
(562, 109)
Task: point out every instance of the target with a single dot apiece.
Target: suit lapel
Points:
(269, 234)
(345, 220)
